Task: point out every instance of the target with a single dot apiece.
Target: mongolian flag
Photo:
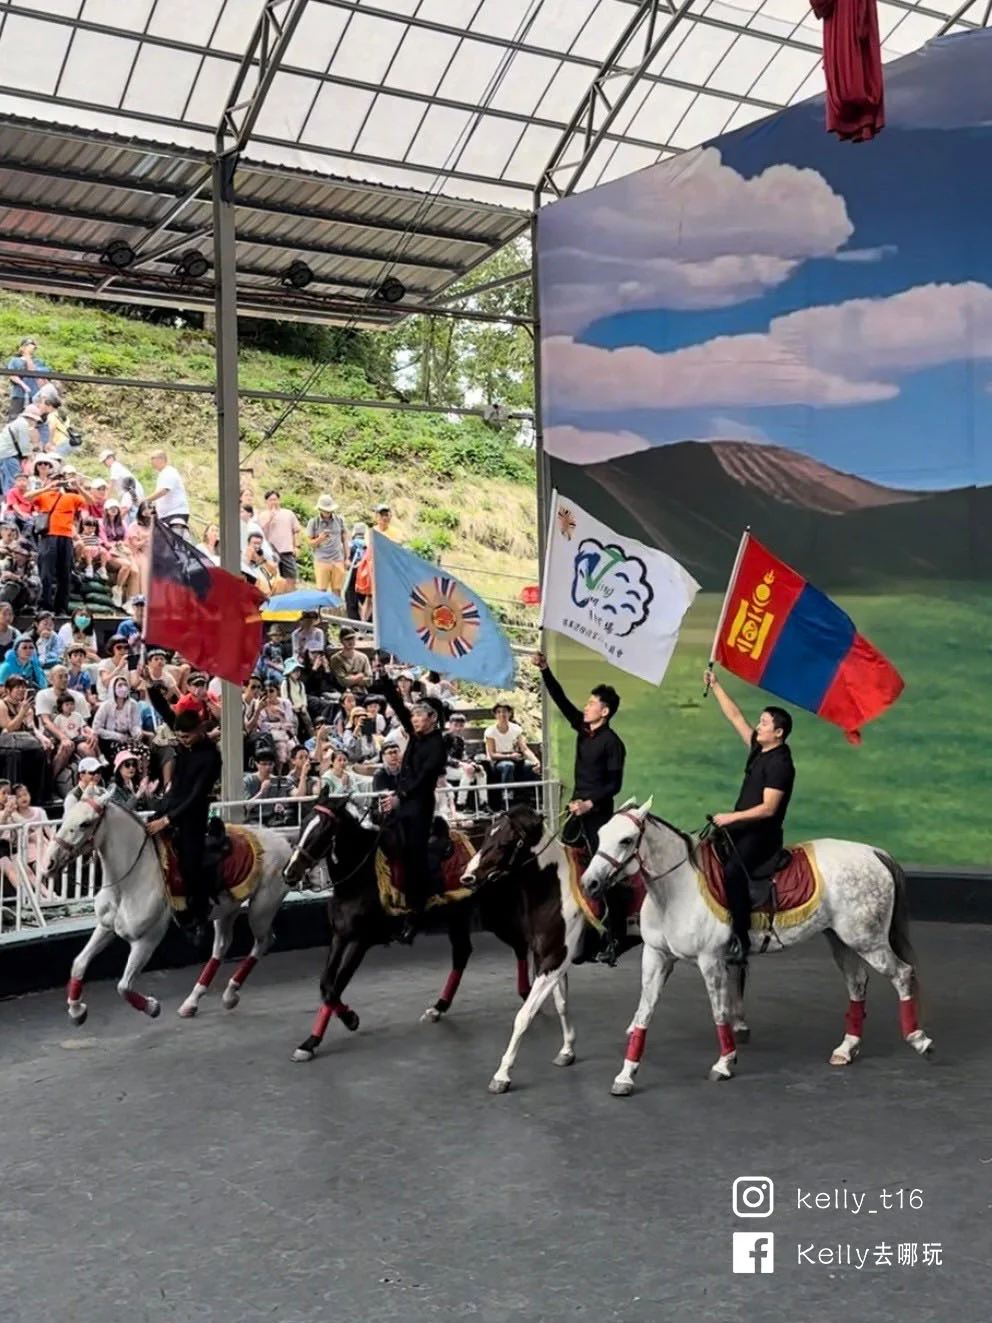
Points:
(210, 616)
(426, 617)
(781, 633)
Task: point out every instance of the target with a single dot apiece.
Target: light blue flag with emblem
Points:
(426, 617)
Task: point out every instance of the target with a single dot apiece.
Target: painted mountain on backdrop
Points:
(694, 498)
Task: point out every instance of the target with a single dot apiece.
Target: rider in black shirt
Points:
(756, 825)
(423, 766)
(599, 753)
(186, 812)
(599, 762)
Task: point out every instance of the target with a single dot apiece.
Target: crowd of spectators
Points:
(85, 710)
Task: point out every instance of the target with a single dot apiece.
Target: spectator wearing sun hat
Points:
(124, 485)
(328, 540)
(18, 442)
(24, 385)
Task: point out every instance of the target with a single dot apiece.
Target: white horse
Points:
(132, 902)
(862, 911)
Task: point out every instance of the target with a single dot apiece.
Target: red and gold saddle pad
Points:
(798, 887)
(593, 909)
(239, 870)
(389, 873)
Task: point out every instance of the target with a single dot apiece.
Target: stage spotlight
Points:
(298, 276)
(118, 254)
(391, 291)
(192, 265)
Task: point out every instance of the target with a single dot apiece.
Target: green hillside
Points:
(458, 489)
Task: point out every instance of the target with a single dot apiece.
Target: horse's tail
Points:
(899, 938)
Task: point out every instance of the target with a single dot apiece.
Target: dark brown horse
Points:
(332, 831)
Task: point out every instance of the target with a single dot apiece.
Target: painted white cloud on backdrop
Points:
(692, 232)
(841, 354)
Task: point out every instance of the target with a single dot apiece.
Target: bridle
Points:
(519, 843)
(74, 852)
(617, 866)
(312, 862)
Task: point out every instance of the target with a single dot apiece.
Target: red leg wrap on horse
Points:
(451, 986)
(209, 972)
(907, 1016)
(635, 1044)
(74, 992)
(244, 969)
(321, 1020)
(136, 1000)
(523, 979)
(854, 1020)
(725, 1037)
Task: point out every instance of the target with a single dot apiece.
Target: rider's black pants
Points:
(748, 848)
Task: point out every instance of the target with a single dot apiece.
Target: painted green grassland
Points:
(919, 785)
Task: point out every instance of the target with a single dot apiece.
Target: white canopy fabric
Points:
(377, 109)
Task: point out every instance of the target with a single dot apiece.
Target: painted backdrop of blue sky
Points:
(780, 286)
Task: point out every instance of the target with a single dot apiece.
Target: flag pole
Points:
(547, 565)
(726, 599)
(375, 596)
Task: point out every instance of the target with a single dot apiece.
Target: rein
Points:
(618, 865)
(75, 852)
(312, 862)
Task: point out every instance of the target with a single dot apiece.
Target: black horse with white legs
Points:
(335, 831)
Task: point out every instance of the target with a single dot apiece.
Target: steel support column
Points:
(228, 445)
(543, 476)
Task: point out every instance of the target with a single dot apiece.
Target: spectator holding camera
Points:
(57, 505)
(23, 752)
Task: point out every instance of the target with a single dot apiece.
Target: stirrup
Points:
(733, 952)
(609, 954)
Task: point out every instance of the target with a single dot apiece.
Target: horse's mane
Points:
(688, 838)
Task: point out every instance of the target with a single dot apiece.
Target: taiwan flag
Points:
(781, 633)
(210, 616)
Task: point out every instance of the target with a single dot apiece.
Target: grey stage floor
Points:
(159, 1172)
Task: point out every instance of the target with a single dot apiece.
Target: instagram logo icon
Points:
(754, 1196)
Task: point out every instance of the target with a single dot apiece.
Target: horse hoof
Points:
(430, 1016)
(78, 1015)
(622, 1088)
(919, 1042)
(187, 1010)
(498, 1085)
(723, 1070)
(302, 1054)
(230, 1000)
(349, 1019)
(565, 1058)
(153, 1008)
(839, 1059)
(742, 1034)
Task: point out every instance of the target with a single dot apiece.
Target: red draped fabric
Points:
(852, 61)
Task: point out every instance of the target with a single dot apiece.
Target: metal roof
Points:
(405, 138)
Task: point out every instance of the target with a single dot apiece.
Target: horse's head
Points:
(316, 836)
(75, 834)
(619, 852)
(510, 839)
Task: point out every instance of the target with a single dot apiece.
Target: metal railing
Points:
(29, 906)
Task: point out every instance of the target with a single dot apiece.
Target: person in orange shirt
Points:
(62, 501)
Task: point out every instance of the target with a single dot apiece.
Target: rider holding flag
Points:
(755, 827)
(600, 756)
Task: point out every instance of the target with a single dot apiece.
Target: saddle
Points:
(628, 894)
(784, 891)
(235, 852)
(448, 855)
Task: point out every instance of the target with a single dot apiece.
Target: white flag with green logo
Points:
(623, 599)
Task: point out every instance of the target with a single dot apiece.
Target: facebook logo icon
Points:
(754, 1251)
